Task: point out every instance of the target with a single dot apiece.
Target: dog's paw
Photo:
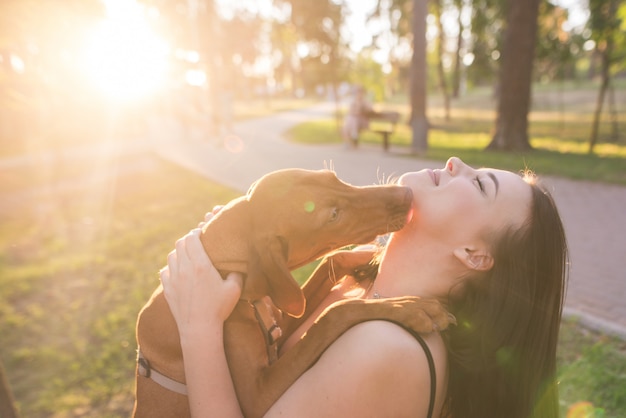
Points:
(342, 263)
(423, 315)
(348, 260)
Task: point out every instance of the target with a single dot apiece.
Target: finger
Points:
(177, 260)
(164, 276)
(235, 279)
(172, 263)
(216, 209)
(180, 248)
(207, 217)
(195, 249)
(164, 271)
(233, 285)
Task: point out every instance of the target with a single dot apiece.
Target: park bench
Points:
(383, 123)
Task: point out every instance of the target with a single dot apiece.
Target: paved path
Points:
(594, 214)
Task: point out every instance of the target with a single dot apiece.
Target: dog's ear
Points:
(282, 287)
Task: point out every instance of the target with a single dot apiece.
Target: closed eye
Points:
(480, 185)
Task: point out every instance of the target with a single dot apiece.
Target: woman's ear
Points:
(480, 260)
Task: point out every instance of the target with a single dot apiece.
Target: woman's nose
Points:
(454, 165)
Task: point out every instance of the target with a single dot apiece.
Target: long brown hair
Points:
(503, 351)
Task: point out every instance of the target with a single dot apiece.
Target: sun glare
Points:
(123, 57)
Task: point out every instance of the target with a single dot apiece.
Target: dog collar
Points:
(271, 331)
(144, 369)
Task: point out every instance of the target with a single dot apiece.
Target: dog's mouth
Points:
(402, 213)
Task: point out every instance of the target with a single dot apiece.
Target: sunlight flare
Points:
(123, 57)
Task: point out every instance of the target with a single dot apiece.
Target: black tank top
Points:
(431, 365)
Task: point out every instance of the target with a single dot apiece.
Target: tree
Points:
(456, 72)
(419, 121)
(441, 40)
(554, 59)
(516, 77)
(284, 41)
(317, 25)
(409, 18)
(607, 31)
(487, 26)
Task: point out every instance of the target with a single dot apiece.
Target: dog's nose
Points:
(403, 198)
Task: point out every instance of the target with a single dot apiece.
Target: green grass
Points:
(551, 156)
(77, 264)
(76, 267)
(559, 128)
(592, 372)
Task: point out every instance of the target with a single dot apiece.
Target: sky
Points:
(126, 35)
(360, 8)
(358, 30)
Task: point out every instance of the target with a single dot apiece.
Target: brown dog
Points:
(288, 219)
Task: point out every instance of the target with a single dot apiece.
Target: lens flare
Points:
(584, 409)
(123, 57)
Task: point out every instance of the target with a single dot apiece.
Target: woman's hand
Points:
(197, 295)
(200, 301)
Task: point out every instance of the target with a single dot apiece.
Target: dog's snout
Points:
(408, 194)
(401, 198)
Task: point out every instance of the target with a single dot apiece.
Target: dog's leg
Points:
(330, 270)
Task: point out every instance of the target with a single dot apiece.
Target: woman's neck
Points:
(417, 270)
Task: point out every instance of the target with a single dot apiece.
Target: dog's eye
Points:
(334, 214)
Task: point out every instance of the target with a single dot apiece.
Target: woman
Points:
(357, 118)
(487, 243)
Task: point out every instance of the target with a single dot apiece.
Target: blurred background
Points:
(84, 227)
(74, 71)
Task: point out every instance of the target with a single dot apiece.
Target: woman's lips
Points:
(434, 176)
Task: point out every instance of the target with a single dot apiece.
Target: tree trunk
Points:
(456, 75)
(443, 84)
(516, 77)
(593, 139)
(419, 122)
(335, 86)
(614, 114)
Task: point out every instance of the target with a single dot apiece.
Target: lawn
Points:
(80, 256)
(81, 244)
(559, 129)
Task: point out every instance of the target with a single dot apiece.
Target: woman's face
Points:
(459, 203)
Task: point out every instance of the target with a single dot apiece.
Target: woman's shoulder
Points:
(390, 334)
(391, 361)
(375, 368)
(388, 342)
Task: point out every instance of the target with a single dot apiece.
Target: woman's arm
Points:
(200, 301)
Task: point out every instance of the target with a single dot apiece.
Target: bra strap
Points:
(431, 366)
